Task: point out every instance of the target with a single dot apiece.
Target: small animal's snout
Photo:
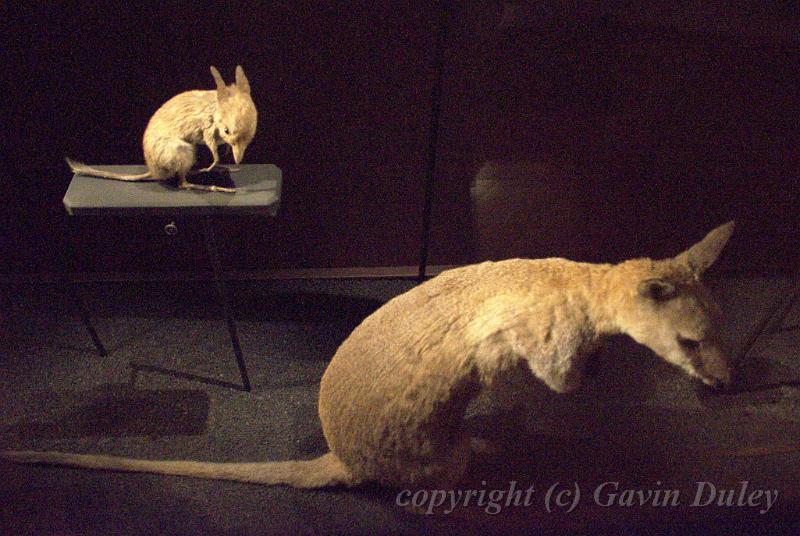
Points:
(238, 153)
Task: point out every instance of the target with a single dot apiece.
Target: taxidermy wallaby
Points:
(225, 115)
(393, 398)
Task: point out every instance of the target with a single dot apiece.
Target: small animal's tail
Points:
(83, 169)
(327, 470)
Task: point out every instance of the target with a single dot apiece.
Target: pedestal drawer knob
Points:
(171, 229)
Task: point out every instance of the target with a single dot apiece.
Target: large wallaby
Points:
(393, 398)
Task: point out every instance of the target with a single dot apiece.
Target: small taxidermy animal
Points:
(393, 398)
(213, 117)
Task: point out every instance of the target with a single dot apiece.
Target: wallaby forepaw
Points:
(480, 445)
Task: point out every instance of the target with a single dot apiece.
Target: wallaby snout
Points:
(714, 369)
(669, 310)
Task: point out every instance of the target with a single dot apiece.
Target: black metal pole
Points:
(433, 134)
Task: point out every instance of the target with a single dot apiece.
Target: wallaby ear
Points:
(220, 82)
(241, 80)
(703, 254)
(657, 289)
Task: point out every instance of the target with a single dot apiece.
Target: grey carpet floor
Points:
(636, 424)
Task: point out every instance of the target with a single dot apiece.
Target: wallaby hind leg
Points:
(459, 458)
(443, 477)
(448, 469)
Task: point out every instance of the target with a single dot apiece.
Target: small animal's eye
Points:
(226, 131)
(688, 344)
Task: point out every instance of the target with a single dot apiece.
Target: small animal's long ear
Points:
(703, 254)
(657, 289)
(241, 80)
(220, 82)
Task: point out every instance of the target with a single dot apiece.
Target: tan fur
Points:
(392, 400)
(223, 115)
(319, 472)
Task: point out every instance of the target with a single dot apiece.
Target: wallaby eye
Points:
(226, 131)
(688, 344)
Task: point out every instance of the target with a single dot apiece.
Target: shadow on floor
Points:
(114, 411)
(611, 451)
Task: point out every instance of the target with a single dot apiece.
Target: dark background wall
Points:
(595, 132)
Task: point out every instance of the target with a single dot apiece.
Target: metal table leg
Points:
(219, 278)
(75, 293)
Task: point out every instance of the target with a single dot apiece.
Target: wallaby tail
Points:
(327, 470)
(83, 169)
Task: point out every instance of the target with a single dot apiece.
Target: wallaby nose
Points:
(719, 379)
(711, 387)
(715, 371)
